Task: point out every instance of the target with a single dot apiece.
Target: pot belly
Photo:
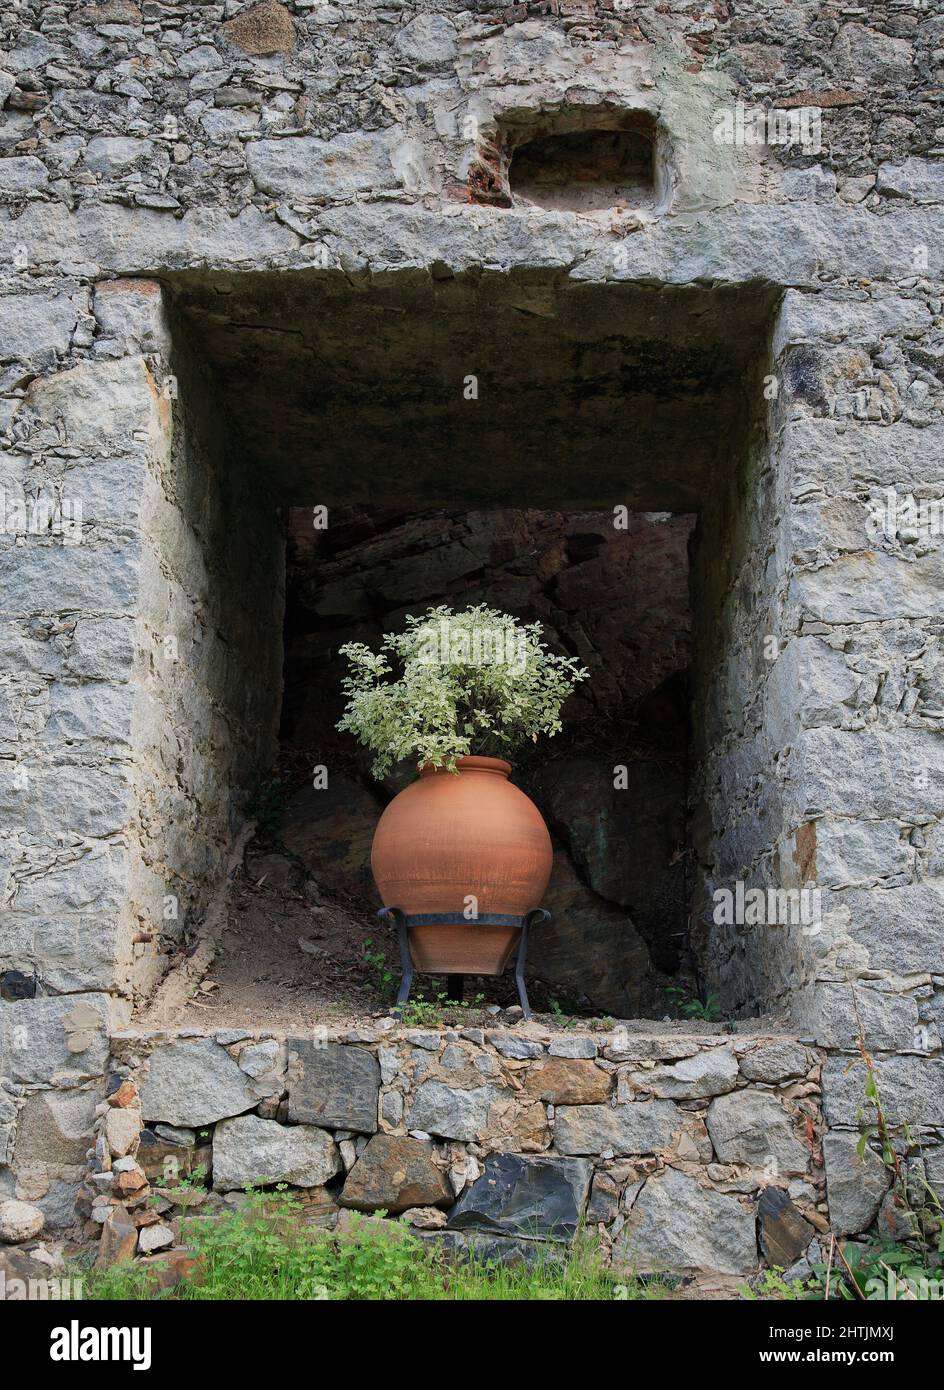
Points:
(467, 843)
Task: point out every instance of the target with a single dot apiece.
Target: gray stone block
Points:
(677, 1225)
(510, 1045)
(855, 1185)
(883, 773)
(102, 648)
(636, 1128)
(708, 1073)
(20, 174)
(888, 1020)
(902, 929)
(247, 1150)
(132, 313)
(195, 1082)
(868, 586)
(60, 1036)
(33, 326)
(92, 800)
(752, 1127)
(911, 1089)
(919, 179)
(335, 1085)
(572, 1047)
(106, 408)
(111, 155)
(452, 1114)
(428, 39)
(818, 318)
(103, 577)
(779, 1060)
(304, 166)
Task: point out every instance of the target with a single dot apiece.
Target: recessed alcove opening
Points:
(618, 598)
(572, 454)
(587, 159)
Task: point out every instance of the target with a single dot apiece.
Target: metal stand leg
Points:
(406, 960)
(536, 915)
(455, 984)
(519, 969)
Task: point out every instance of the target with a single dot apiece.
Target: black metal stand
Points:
(485, 919)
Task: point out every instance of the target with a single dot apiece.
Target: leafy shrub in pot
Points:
(472, 687)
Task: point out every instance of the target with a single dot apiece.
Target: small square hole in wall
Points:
(587, 160)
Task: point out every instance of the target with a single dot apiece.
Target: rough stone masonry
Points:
(155, 156)
(682, 1153)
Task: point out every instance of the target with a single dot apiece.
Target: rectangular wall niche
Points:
(586, 159)
(593, 479)
(612, 785)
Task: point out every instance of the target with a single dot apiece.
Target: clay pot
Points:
(450, 835)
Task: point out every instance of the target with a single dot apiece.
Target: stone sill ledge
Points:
(650, 1038)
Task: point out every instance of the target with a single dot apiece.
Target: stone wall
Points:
(146, 653)
(134, 735)
(863, 771)
(854, 802)
(185, 148)
(684, 1154)
(210, 609)
(736, 794)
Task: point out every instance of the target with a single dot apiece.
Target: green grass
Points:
(264, 1252)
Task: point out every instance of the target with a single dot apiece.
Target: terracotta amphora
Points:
(466, 841)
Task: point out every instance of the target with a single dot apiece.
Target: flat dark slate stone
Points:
(782, 1232)
(334, 1086)
(540, 1198)
(15, 985)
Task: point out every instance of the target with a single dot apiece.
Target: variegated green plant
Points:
(453, 684)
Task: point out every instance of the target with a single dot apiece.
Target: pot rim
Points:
(474, 762)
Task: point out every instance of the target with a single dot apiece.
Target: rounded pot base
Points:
(469, 949)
